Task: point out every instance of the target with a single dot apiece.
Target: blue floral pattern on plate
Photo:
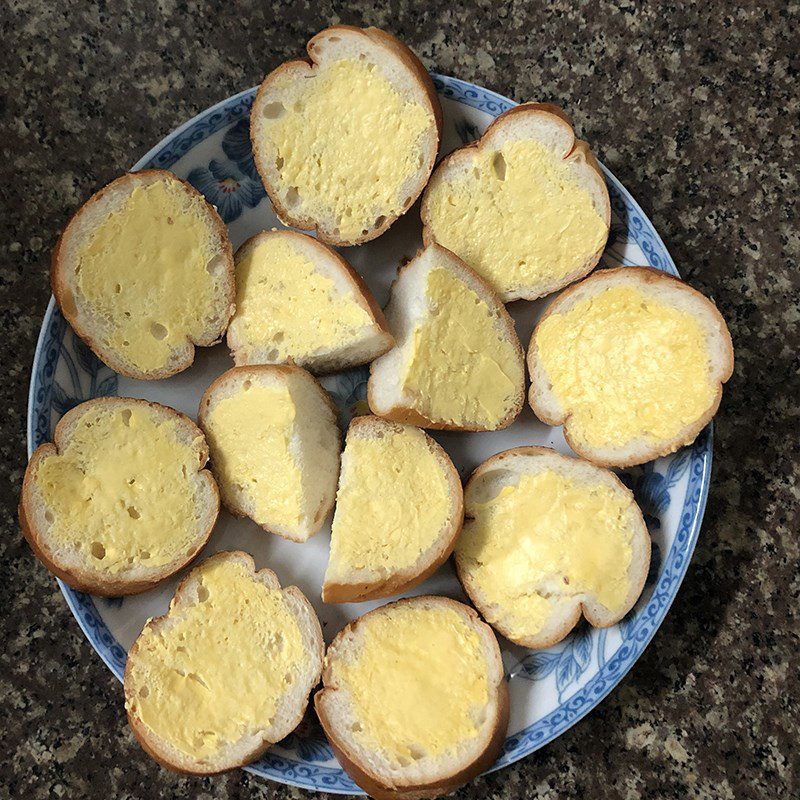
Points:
(583, 668)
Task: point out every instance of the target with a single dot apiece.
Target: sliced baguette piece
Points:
(631, 362)
(120, 500)
(275, 447)
(143, 272)
(399, 510)
(414, 699)
(457, 363)
(526, 206)
(226, 672)
(577, 524)
(299, 302)
(345, 141)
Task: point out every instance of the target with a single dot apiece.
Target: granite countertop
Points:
(695, 110)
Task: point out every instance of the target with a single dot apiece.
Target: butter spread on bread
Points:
(227, 671)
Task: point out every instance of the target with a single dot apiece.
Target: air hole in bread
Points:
(334, 39)
(144, 692)
(272, 354)
(158, 331)
(246, 385)
(144, 554)
(408, 201)
(98, 551)
(273, 110)
(499, 166)
(133, 513)
(202, 594)
(117, 288)
(215, 265)
(48, 516)
(125, 342)
(379, 221)
(288, 678)
(416, 752)
(356, 727)
(292, 197)
(279, 163)
(278, 337)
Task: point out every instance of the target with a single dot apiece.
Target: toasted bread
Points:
(457, 363)
(546, 538)
(345, 141)
(631, 361)
(414, 699)
(143, 272)
(399, 510)
(526, 206)
(299, 302)
(120, 500)
(275, 446)
(226, 672)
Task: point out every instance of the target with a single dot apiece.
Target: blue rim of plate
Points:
(646, 621)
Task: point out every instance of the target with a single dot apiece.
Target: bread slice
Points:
(120, 500)
(275, 447)
(299, 302)
(414, 699)
(457, 364)
(631, 361)
(226, 672)
(548, 537)
(345, 141)
(399, 510)
(143, 272)
(526, 206)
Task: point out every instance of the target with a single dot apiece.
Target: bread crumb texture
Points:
(217, 670)
(286, 309)
(626, 366)
(392, 503)
(347, 146)
(122, 491)
(250, 437)
(419, 683)
(462, 368)
(547, 537)
(147, 271)
(517, 216)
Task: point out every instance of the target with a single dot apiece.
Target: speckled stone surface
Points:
(694, 107)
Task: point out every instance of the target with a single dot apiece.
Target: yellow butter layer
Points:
(461, 369)
(518, 216)
(348, 145)
(218, 670)
(249, 434)
(286, 306)
(626, 367)
(121, 492)
(544, 538)
(393, 500)
(418, 684)
(144, 270)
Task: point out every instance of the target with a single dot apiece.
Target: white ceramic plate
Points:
(551, 689)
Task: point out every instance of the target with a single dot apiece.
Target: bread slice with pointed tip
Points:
(546, 539)
(143, 273)
(299, 302)
(526, 206)
(457, 363)
(346, 140)
(275, 445)
(120, 500)
(631, 362)
(414, 699)
(226, 672)
(399, 510)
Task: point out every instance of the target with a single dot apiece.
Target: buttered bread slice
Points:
(526, 206)
(457, 363)
(399, 509)
(274, 445)
(345, 142)
(300, 302)
(415, 702)
(546, 538)
(227, 671)
(120, 500)
(144, 272)
(631, 361)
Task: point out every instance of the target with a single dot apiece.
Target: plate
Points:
(550, 689)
